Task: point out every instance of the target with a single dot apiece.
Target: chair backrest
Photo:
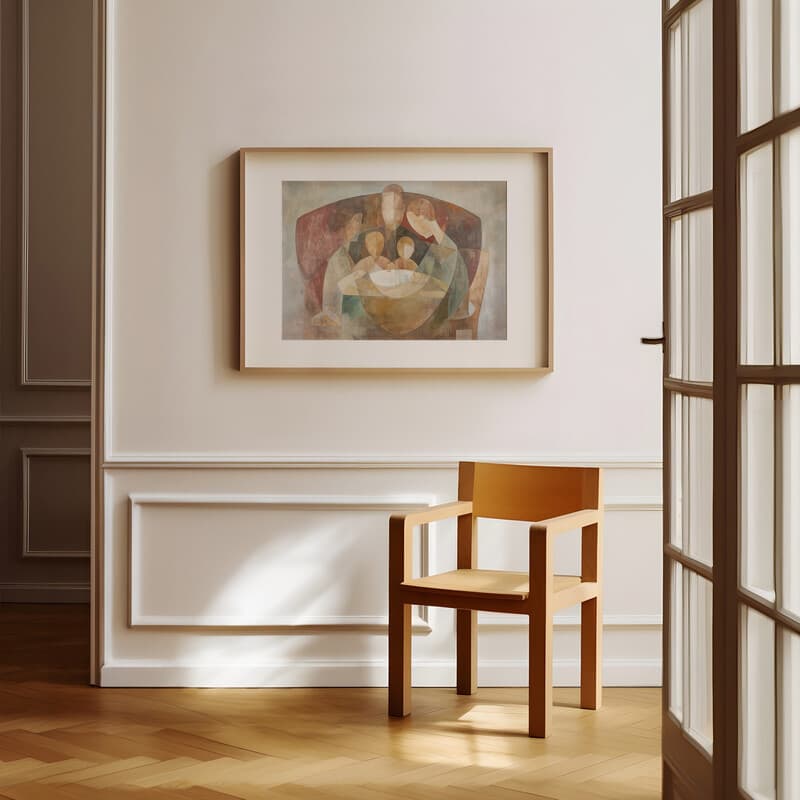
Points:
(528, 493)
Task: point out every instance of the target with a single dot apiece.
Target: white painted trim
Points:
(106, 620)
(344, 502)
(27, 454)
(106, 329)
(44, 592)
(212, 461)
(294, 502)
(487, 620)
(616, 672)
(644, 503)
(275, 502)
(566, 672)
(339, 503)
(351, 623)
(103, 11)
(25, 379)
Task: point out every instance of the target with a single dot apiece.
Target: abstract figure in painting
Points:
(348, 221)
(397, 262)
(405, 249)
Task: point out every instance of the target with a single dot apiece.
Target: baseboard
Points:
(616, 672)
(44, 593)
(566, 672)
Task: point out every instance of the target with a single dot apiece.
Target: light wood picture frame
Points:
(396, 259)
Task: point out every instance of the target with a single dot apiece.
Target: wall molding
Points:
(25, 378)
(367, 672)
(27, 454)
(210, 461)
(508, 621)
(44, 592)
(102, 247)
(420, 623)
(420, 618)
(278, 624)
(284, 502)
(643, 503)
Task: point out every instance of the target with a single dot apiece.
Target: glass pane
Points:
(700, 464)
(690, 102)
(676, 641)
(757, 257)
(791, 501)
(700, 723)
(789, 212)
(755, 63)
(700, 328)
(676, 262)
(758, 494)
(699, 124)
(789, 721)
(691, 479)
(676, 114)
(691, 296)
(757, 763)
(789, 94)
(677, 433)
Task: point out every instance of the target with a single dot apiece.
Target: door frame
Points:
(688, 769)
(726, 470)
(99, 149)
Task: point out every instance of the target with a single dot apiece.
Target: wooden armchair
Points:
(555, 500)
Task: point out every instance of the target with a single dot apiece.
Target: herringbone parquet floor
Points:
(62, 740)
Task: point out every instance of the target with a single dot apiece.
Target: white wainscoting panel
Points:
(631, 566)
(274, 575)
(273, 569)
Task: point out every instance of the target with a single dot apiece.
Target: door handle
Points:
(654, 339)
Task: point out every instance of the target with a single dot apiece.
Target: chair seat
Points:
(499, 585)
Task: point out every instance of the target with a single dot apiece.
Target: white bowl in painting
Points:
(398, 282)
(392, 278)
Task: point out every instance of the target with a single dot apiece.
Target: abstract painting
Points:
(394, 259)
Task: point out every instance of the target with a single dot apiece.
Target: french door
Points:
(731, 725)
(690, 566)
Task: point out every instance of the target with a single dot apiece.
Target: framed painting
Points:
(396, 259)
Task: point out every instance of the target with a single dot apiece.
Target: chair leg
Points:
(591, 653)
(466, 652)
(540, 673)
(399, 659)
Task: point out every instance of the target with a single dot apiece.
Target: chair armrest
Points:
(401, 527)
(540, 551)
(567, 522)
(459, 508)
